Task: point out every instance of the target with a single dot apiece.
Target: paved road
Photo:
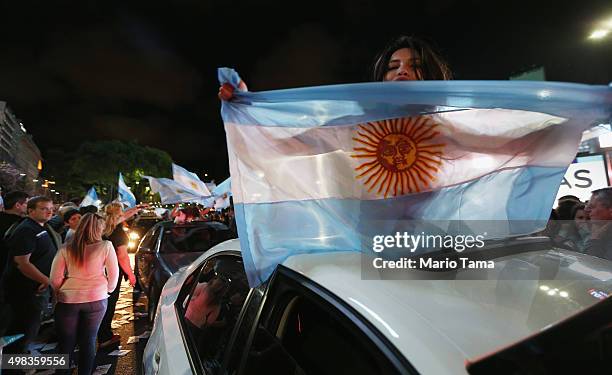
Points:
(131, 363)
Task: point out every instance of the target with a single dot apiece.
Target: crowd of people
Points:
(191, 213)
(584, 227)
(73, 257)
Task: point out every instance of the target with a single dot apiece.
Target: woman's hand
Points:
(132, 279)
(226, 91)
(44, 285)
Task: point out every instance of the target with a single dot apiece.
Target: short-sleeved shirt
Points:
(118, 238)
(41, 244)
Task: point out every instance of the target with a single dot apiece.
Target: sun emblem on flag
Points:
(401, 155)
(193, 185)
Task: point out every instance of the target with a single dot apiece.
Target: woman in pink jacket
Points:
(83, 274)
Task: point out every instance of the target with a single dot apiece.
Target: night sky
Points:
(146, 71)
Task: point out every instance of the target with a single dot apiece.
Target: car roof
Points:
(192, 224)
(440, 324)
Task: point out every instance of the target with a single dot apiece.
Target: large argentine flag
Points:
(126, 197)
(91, 198)
(325, 168)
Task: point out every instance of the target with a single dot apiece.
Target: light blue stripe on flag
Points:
(364, 102)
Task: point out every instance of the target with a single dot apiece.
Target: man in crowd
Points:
(15, 211)
(599, 210)
(57, 220)
(72, 218)
(15, 204)
(32, 246)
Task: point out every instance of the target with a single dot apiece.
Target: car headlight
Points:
(134, 236)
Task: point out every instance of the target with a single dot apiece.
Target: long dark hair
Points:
(433, 66)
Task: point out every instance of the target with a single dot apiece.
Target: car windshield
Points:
(194, 237)
(145, 224)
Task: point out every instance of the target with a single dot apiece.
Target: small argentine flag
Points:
(126, 197)
(221, 193)
(91, 198)
(171, 191)
(189, 180)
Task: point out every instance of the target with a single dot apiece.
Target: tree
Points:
(99, 163)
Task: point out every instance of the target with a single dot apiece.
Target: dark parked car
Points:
(167, 247)
(140, 226)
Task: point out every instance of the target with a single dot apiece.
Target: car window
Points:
(148, 240)
(146, 222)
(186, 239)
(307, 335)
(211, 309)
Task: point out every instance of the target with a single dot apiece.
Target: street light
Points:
(599, 34)
(603, 28)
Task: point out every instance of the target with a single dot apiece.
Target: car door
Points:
(298, 327)
(209, 311)
(146, 256)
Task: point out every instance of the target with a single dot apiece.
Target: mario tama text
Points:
(427, 263)
(421, 244)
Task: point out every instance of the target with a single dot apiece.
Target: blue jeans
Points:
(79, 323)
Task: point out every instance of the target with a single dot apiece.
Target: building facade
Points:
(19, 155)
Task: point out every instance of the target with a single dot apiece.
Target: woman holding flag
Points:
(114, 233)
(409, 58)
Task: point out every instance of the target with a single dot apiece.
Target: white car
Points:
(317, 315)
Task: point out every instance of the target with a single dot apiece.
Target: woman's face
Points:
(73, 222)
(403, 65)
(580, 217)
